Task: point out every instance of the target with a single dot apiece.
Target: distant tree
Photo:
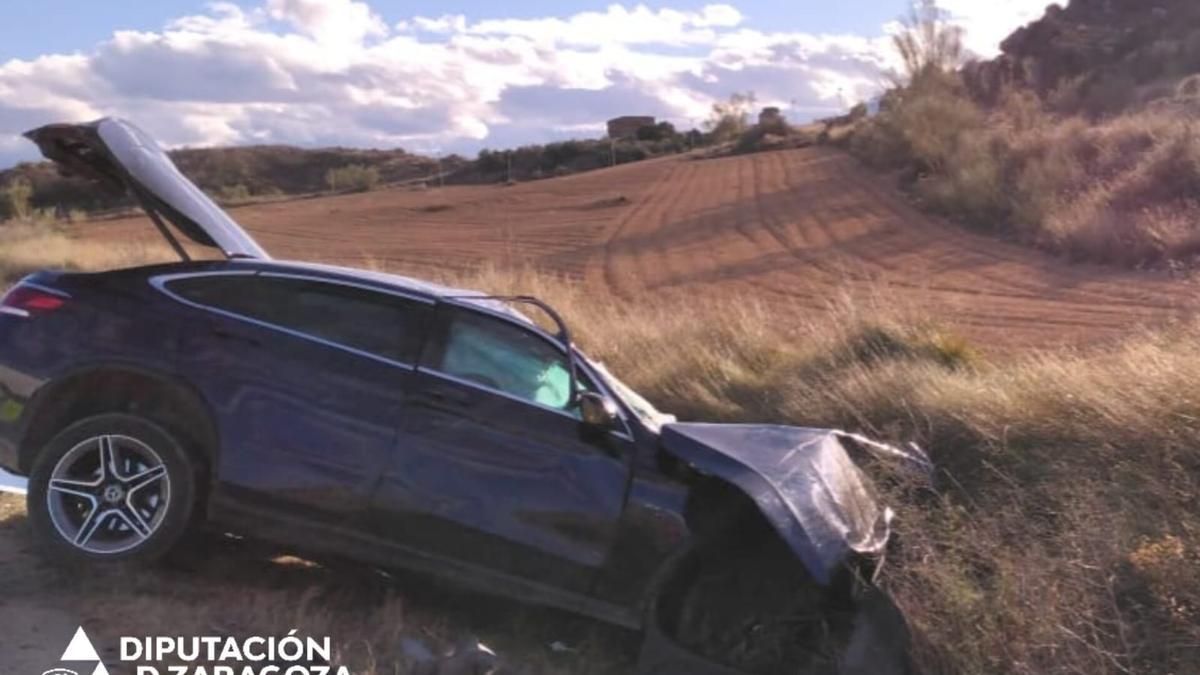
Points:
(658, 132)
(730, 118)
(928, 44)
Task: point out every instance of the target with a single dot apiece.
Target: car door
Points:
(308, 377)
(491, 468)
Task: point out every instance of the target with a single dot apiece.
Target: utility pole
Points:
(612, 151)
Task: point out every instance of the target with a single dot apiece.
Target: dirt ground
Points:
(36, 625)
(795, 228)
(241, 588)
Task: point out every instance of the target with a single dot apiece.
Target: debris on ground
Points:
(468, 657)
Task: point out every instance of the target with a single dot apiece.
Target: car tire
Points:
(134, 506)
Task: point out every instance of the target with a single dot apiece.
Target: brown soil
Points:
(242, 588)
(795, 228)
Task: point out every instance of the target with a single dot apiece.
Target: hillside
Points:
(238, 174)
(1097, 57)
(1081, 139)
(232, 174)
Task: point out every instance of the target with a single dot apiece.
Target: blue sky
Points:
(30, 29)
(441, 77)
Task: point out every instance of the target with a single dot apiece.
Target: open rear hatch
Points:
(117, 153)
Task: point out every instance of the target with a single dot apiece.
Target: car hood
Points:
(118, 153)
(803, 481)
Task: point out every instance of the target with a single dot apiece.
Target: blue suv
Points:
(397, 421)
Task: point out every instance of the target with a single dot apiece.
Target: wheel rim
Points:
(108, 494)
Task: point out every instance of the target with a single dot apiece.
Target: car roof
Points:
(383, 281)
(371, 277)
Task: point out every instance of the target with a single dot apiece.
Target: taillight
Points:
(26, 301)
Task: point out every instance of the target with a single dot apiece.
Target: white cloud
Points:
(329, 21)
(618, 25)
(988, 23)
(446, 23)
(321, 72)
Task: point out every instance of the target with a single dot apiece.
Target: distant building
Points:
(770, 117)
(627, 126)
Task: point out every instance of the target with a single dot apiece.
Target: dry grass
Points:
(28, 247)
(1118, 191)
(1063, 473)
(1065, 536)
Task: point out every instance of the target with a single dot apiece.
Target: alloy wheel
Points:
(108, 494)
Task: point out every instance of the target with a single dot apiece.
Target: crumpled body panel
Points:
(803, 481)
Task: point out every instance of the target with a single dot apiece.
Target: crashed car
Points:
(396, 421)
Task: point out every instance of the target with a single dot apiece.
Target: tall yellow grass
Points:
(28, 247)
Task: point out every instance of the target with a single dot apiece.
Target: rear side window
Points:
(378, 323)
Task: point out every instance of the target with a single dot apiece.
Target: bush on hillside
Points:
(1123, 190)
(352, 178)
(662, 131)
(573, 156)
(730, 118)
(16, 200)
(232, 194)
(262, 170)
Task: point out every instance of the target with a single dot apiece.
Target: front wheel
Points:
(113, 487)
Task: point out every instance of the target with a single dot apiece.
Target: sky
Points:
(441, 77)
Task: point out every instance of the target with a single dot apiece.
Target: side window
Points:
(378, 323)
(497, 354)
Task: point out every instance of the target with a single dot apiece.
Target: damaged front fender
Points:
(802, 480)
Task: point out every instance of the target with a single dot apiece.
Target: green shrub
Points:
(936, 122)
(879, 142)
(970, 184)
(729, 119)
(352, 178)
(232, 194)
(659, 132)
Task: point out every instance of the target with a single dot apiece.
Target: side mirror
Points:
(597, 410)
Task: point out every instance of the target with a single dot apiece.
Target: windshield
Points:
(650, 416)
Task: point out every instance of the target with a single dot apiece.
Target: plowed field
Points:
(793, 228)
